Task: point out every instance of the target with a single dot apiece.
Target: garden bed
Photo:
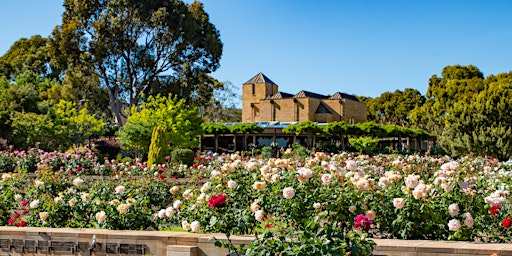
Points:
(292, 203)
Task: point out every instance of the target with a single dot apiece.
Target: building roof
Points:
(340, 96)
(280, 95)
(259, 78)
(305, 94)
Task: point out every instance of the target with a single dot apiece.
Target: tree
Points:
(158, 149)
(181, 122)
(79, 124)
(30, 55)
(309, 128)
(337, 128)
(129, 44)
(222, 107)
(457, 84)
(216, 129)
(246, 128)
(394, 108)
(481, 125)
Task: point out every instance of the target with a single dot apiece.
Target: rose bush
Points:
(335, 197)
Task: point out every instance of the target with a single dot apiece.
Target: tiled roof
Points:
(340, 96)
(281, 95)
(305, 94)
(259, 78)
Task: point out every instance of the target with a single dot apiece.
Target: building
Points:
(263, 102)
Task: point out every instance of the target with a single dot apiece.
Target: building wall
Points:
(257, 107)
(355, 111)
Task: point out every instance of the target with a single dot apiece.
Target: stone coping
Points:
(184, 243)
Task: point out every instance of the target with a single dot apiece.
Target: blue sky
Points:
(358, 47)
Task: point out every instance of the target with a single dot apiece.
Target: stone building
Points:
(263, 102)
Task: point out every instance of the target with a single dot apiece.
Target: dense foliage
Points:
(390, 196)
(141, 47)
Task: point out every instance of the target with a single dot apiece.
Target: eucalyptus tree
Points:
(130, 44)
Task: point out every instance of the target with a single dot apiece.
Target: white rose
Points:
(232, 184)
(34, 204)
(454, 225)
(194, 226)
(399, 203)
(259, 215)
(288, 192)
(101, 216)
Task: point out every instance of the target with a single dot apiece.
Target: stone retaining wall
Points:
(68, 241)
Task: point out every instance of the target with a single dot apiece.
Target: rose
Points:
(122, 208)
(194, 226)
(78, 182)
(494, 209)
(232, 184)
(363, 222)
(174, 190)
(411, 181)
(258, 215)
(72, 202)
(371, 214)
(506, 222)
(217, 201)
(43, 215)
(453, 209)
(288, 192)
(351, 165)
(188, 194)
(169, 212)
(468, 219)
(34, 204)
(454, 225)
(177, 204)
(259, 185)
(101, 216)
(120, 189)
(326, 179)
(161, 214)
(185, 225)
(399, 203)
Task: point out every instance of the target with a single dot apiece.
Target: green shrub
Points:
(364, 144)
(158, 148)
(183, 156)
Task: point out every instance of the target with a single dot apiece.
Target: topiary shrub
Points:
(183, 156)
(158, 148)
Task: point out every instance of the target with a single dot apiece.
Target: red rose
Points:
(10, 221)
(494, 209)
(361, 221)
(71, 171)
(79, 168)
(22, 223)
(217, 201)
(195, 165)
(506, 222)
(24, 203)
(16, 215)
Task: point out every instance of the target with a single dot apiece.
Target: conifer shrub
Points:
(158, 148)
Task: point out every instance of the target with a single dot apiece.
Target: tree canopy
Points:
(130, 45)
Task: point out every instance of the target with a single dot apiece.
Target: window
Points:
(253, 89)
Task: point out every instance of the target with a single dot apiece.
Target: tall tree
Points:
(30, 55)
(394, 108)
(482, 123)
(129, 44)
(457, 83)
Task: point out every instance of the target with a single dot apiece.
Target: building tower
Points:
(253, 91)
